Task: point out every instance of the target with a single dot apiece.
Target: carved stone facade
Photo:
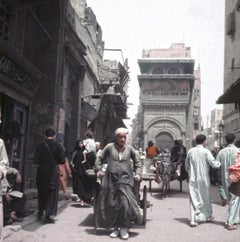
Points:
(166, 96)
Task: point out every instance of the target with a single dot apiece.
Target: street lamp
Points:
(220, 128)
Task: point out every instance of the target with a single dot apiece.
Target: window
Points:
(173, 70)
(196, 126)
(4, 19)
(238, 5)
(196, 94)
(195, 111)
(157, 70)
(230, 24)
(237, 106)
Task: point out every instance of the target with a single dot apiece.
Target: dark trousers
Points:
(74, 181)
(213, 176)
(47, 201)
(16, 204)
(6, 209)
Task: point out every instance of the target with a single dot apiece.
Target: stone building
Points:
(51, 54)
(213, 133)
(167, 110)
(112, 104)
(197, 117)
(231, 86)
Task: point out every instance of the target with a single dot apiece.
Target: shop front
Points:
(18, 83)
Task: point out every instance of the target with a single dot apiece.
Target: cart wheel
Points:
(94, 202)
(144, 218)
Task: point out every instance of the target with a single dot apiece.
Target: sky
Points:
(134, 25)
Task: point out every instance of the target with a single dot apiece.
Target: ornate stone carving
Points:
(90, 18)
(17, 73)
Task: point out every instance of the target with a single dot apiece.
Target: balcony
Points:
(157, 97)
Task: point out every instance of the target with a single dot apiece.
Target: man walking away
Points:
(227, 156)
(198, 161)
(48, 155)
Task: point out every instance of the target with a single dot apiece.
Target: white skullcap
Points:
(120, 131)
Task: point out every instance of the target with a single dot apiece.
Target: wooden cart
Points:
(143, 203)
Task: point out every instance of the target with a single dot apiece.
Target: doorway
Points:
(13, 130)
(164, 141)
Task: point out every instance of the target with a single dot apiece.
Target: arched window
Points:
(157, 70)
(173, 70)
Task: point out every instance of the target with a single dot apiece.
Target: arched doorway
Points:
(164, 140)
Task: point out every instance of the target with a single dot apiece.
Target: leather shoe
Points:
(49, 220)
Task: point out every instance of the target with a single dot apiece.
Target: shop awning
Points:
(231, 95)
(88, 111)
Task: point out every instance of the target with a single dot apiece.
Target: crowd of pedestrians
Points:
(117, 165)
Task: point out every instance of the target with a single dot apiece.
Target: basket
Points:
(234, 188)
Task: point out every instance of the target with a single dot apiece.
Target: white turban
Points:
(120, 131)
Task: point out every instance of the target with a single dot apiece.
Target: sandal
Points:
(13, 216)
(81, 202)
(231, 227)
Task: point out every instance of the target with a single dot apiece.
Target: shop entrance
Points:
(13, 130)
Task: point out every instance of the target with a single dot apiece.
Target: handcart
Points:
(143, 203)
(147, 175)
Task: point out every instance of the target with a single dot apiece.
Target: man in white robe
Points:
(198, 162)
(3, 171)
(227, 156)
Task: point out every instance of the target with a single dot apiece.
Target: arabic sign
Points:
(16, 73)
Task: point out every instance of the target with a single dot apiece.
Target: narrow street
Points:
(167, 220)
